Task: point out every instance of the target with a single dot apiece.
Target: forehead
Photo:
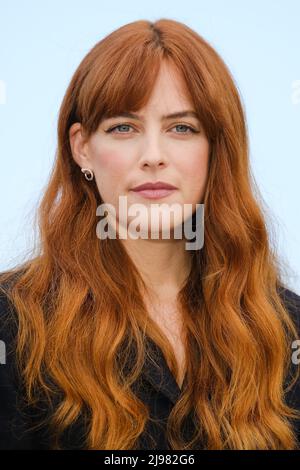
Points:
(170, 90)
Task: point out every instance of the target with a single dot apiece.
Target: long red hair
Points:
(79, 300)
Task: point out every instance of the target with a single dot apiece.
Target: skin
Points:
(150, 150)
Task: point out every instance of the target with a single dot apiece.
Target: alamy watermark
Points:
(2, 352)
(154, 221)
(295, 357)
(296, 354)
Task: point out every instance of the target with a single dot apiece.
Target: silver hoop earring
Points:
(88, 174)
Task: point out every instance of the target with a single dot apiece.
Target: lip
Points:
(153, 186)
(155, 193)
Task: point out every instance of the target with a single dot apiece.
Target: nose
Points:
(153, 154)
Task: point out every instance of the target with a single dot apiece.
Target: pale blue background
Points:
(42, 43)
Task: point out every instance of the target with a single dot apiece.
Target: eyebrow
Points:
(178, 114)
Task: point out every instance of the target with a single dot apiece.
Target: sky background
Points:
(42, 43)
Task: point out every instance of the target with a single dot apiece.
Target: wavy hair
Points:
(79, 314)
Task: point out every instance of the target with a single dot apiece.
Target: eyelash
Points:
(110, 131)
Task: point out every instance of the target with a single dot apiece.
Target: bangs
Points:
(121, 75)
(123, 86)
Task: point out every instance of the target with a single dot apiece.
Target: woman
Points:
(130, 343)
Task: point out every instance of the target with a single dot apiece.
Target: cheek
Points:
(194, 171)
(110, 170)
(194, 166)
(110, 163)
(111, 167)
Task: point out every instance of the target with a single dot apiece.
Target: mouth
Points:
(154, 190)
(154, 193)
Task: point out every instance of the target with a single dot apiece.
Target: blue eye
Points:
(112, 129)
(187, 127)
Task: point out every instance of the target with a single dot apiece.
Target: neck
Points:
(163, 265)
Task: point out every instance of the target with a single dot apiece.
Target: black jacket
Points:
(158, 389)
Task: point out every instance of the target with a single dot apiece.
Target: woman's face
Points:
(126, 152)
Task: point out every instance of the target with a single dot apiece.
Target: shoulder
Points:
(9, 378)
(289, 296)
(8, 317)
(9, 383)
(291, 301)
(8, 324)
(16, 430)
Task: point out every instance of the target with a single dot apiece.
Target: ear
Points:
(78, 144)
